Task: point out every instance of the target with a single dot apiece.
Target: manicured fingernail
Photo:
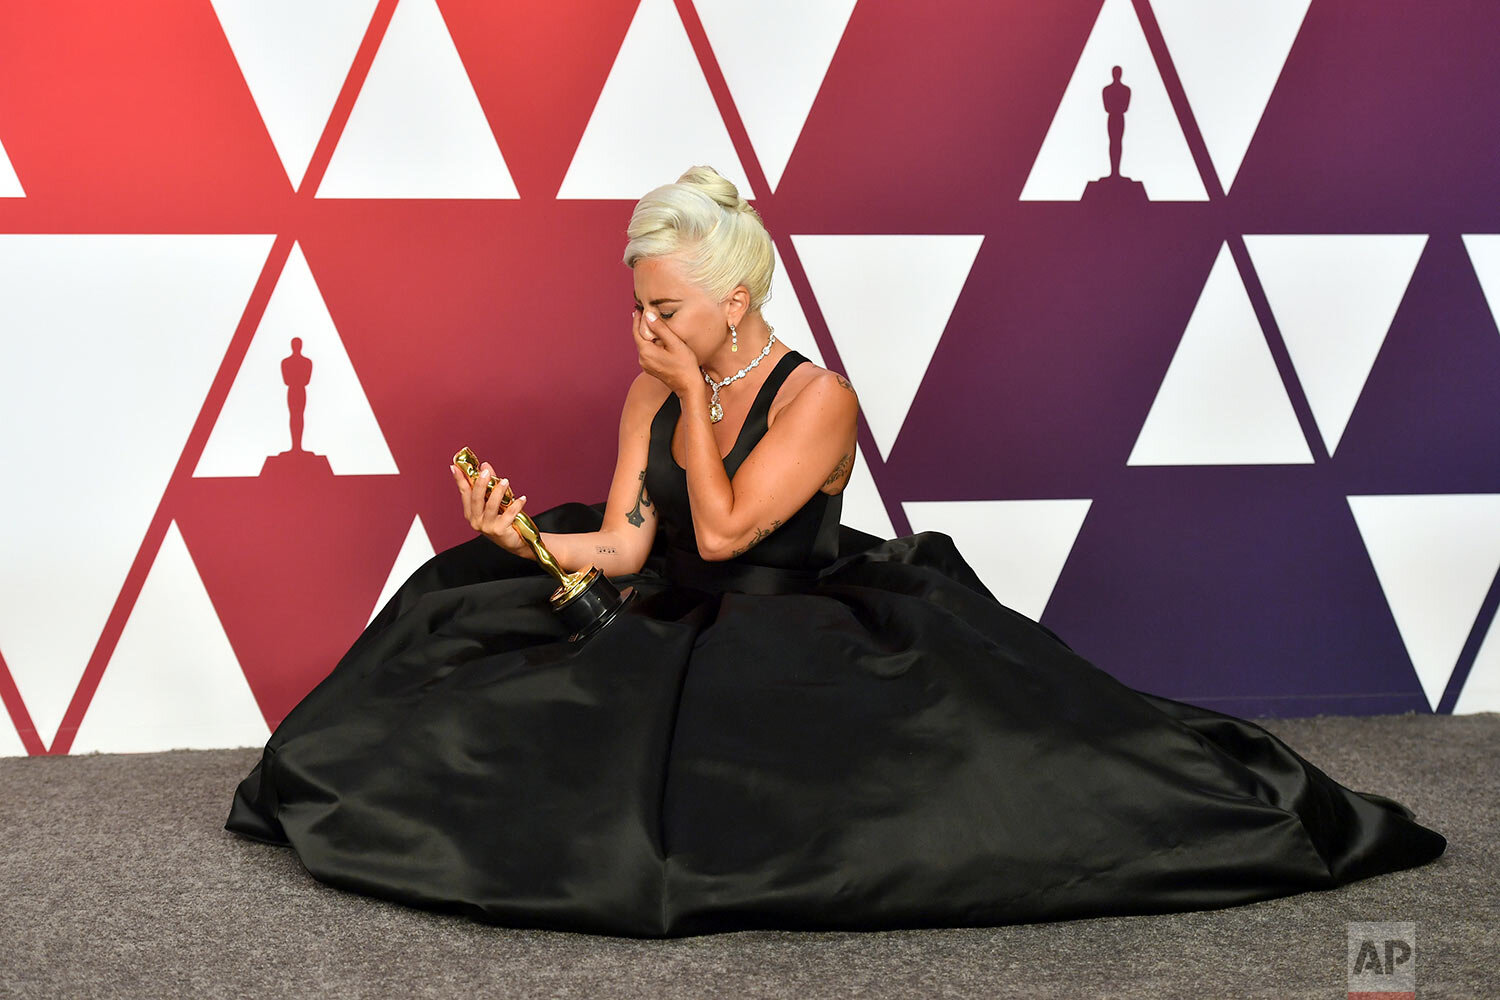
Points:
(651, 317)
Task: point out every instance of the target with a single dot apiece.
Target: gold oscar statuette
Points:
(586, 600)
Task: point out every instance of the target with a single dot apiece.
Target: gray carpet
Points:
(118, 879)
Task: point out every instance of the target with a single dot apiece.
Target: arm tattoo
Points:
(839, 470)
(604, 549)
(635, 516)
(845, 463)
(759, 534)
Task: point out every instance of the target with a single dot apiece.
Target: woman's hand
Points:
(664, 354)
(487, 517)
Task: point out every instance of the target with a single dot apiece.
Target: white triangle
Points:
(774, 55)
(1481, 691)
(1435, 557)
(1484, 254)
(10, 186)
(112, 342)
(417, 129)
(886, 341)
(1016, 547)
(1229, 57)
(173, 682)
(655, 116)
(1153, 148)
(295, 57)
(254, 421)
(1221, 401)
(415, 551)
(1334, 297)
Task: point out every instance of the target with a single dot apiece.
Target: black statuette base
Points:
(594, 607)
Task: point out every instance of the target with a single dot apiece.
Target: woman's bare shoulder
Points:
(646, 395)
(647, 389)
(807, 377)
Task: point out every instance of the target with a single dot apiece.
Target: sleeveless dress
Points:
(830, 731)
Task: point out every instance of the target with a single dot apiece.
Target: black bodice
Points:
(804, 544)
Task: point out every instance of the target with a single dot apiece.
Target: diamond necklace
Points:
(715, 411)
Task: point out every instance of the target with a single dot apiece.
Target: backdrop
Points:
(1179, 316)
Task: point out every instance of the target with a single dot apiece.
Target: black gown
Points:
(831, 731)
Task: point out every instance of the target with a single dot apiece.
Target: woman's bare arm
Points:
(811, 437)
(624, 541)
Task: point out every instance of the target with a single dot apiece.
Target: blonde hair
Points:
(718, 236)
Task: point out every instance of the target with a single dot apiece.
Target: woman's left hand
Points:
(664, 354)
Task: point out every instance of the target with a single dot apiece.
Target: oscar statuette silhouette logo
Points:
(1115, 188)
(296, 372)
(585, 600)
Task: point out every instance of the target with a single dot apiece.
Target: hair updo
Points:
(717, 235)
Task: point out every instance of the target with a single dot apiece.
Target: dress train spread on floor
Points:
(832, 731)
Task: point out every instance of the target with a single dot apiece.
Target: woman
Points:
(796, 724)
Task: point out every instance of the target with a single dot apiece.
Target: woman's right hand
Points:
(488, 517)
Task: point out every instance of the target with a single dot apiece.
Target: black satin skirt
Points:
(878, 745)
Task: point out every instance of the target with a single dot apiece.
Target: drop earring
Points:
(734, 342)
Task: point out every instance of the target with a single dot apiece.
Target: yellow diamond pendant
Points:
(715, 412)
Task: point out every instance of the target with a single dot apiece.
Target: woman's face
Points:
(701, 322)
